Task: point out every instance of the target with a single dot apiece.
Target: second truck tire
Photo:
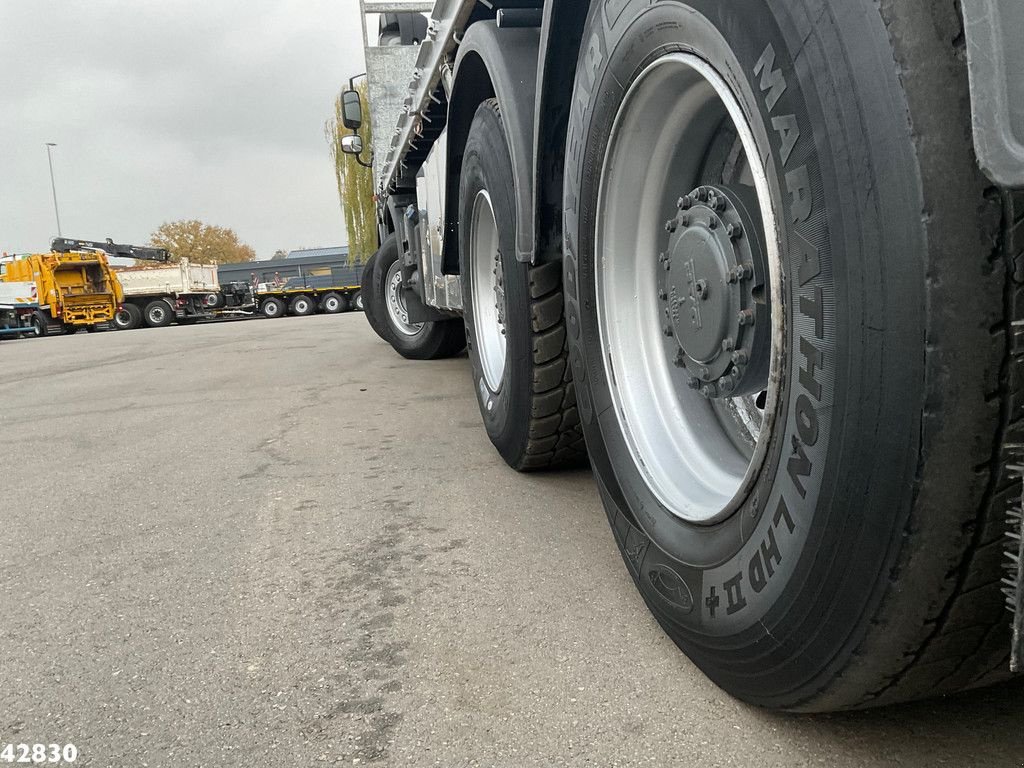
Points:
(158, 314)
(515, 326)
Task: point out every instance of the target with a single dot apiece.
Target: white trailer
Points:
(157, 296)
(19, 302)
(767, 257)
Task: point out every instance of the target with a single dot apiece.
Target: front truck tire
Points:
(513, 312)
(830, 538)
(431, 340)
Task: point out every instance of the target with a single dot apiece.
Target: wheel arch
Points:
(561, 37)
(500, 63)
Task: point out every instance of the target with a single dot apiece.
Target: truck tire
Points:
(432, 340)
(128, 317)
(70, 330)
(302, 305)
(272, 307)
(40, 324)
(158, 314)
(357, 301)
(333, 303)
(513, 314)
(817, 523)
(367, 293)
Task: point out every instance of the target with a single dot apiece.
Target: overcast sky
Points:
(172, 109)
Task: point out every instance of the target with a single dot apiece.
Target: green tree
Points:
(201, 243)
(355, 182)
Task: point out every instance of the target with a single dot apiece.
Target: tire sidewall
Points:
(783, 558)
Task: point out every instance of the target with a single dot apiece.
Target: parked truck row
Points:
(75, 287)
(765, 258)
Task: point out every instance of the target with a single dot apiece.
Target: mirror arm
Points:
(359, 157)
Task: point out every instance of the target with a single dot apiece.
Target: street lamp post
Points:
(53, 186)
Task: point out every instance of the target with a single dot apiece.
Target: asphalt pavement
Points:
(276, 543)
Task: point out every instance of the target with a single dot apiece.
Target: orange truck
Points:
(75, 284)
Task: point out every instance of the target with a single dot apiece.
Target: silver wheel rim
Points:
(487, 289)
(359, 301)
(122, 319)
(332, 304)
(698, 457)
(271, 309)
(302, 307)
(157, 314)
(395, 299)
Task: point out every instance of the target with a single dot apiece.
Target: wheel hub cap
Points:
(713, 294)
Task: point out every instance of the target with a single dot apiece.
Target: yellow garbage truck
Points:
(75, 284)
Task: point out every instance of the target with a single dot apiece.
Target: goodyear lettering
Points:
(812, 358)
(789, 132)
(806, 421)
(814, 308)
(734, 594)
(768, 555)
(762, 564)
(808, 262)
(772, 80)
(798, 182)
(799, 467)
(782, 514)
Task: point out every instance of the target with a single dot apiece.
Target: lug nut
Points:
(684, 203)
(702, 194)
(717, 203)
(746, 271)
(670, 226)
(733, 276)
(662, 294)
(728, 345)
(746, 317)
(680, 361)
(667, 330)
(701, 289)
(735, 231)
(713, 222)
(739, 357)
(694, 383)
(727, 385)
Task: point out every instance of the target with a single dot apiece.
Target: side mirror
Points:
(352, 145)
(351, 110)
